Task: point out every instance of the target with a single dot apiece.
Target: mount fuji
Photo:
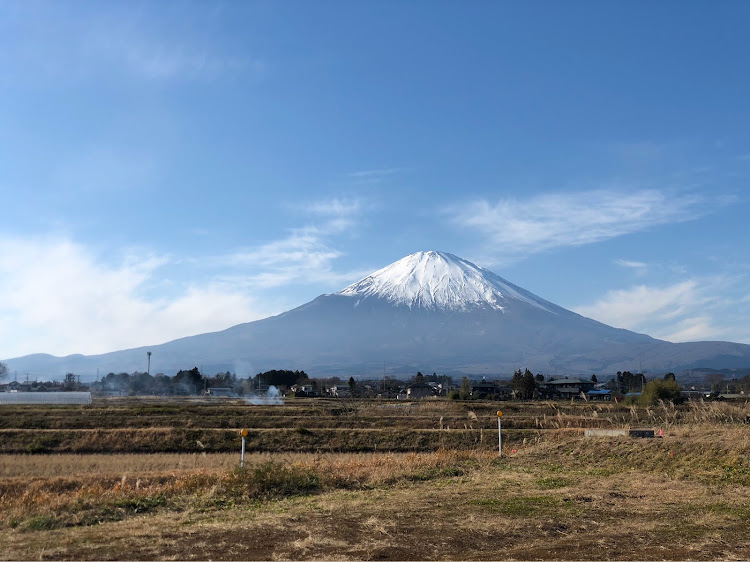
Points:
(430, 311)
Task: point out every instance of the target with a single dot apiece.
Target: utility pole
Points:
(148, 369)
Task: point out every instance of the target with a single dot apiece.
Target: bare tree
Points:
(3, 371)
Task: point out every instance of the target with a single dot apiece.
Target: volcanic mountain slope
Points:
(430, 311)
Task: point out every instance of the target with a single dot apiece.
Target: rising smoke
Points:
(270, 398)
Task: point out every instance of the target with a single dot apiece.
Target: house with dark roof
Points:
(490, 389)
(419, 390)
(599, 394)
(565, 388)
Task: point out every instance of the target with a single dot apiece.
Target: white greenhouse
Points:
(45, 398)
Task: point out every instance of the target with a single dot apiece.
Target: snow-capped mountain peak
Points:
(438, 280)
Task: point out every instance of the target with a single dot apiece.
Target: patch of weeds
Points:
(217, 503)
(553, 468)
(302, 431)
(451, 471)
(143, 504)
(682, 530)
(42, 523)
(438, 472)
(553, 482)
(736, 474)
(524, 506)
(103, 514)
(272, 480)
(601, 471)
(40, 444)
(738, 511)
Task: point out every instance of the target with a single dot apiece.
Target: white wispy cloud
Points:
(335, 215)
(336, 206)
(370, 178)
(60, 298)
(696, 328)
(631, 264)
(305, 254)
(378, 173)
(521, 226)
(636, 307)
(65, 42)
(694, 309)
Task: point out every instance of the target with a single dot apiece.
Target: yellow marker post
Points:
(499, 433)
(242, 458)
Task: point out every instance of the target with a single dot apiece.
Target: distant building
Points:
(599, 394)
(303, 390)
(565, 388)
(419, 390)
(340, 391)
(489, 389)
(220, 391)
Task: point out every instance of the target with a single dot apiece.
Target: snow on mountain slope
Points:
(438, 280)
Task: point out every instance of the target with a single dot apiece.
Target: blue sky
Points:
(172, 168)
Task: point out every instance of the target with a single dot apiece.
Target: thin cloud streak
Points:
(631, 264)
(301, 256)
(679, 312)
(335, 207)
(556, 220)
(305, 254)
(64, 43)
(635, 307)
(364, 174)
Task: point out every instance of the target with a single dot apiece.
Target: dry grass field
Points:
(332, 480)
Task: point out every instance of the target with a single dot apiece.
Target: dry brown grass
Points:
(107, 494)
(377, 466)
(50, 466)
(685, 496)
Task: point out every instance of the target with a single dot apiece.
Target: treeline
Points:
(719, 382)
(192, 382)
(280, 378)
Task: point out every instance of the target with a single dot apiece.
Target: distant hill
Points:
(430, 311)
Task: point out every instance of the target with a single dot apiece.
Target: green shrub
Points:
(42, 523)
(660, 390)
(272, 480)
(142, 504)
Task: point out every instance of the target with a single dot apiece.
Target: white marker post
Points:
(499, 434)
(242, 458)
